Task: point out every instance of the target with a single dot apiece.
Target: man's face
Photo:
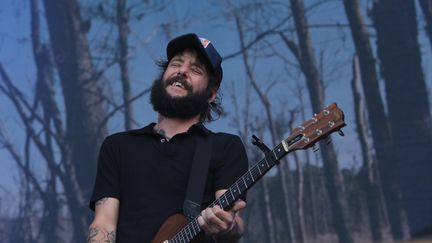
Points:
(182, 90)
(194, 76)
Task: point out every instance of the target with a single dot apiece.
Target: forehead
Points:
(191, 55)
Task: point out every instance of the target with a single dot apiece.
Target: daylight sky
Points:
(148, 40)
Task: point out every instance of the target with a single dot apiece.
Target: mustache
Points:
(180, 79)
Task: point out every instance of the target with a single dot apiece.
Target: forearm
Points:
(100, 234)
(104, 226)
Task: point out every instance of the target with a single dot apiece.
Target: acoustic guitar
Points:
(177, 229)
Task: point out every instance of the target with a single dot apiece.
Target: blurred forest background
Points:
(74, 71)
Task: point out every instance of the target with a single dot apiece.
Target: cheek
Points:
(165, 76)
(201, 84)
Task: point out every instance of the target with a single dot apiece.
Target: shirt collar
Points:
(198, 127)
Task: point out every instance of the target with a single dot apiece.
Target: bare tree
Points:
(123, 30)
(268, 209)
(378, 221)
(426, 7)
(316, 94)
(84, 106)
(406, 93)
(282, 168)
(45, 96)
(378, 121)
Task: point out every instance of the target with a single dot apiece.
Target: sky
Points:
(332, 44)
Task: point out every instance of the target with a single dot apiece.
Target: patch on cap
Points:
(204, 42)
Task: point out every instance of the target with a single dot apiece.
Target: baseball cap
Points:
(204, 48)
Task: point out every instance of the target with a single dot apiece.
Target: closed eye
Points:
(197, 70)
(175, 64)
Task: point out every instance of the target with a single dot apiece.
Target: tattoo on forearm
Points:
(97, 235)
(101, 201)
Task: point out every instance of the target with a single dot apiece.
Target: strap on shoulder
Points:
(197, 177)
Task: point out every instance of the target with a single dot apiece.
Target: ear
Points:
(213, 95)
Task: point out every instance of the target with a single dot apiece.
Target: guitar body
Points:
(172, 225)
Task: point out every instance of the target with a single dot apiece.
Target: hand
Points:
(216, 221)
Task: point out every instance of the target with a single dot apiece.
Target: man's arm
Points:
(103, 227)
(224, 226)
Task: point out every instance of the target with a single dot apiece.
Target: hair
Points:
(214, 109)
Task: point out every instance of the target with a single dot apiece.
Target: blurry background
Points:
(74, 71)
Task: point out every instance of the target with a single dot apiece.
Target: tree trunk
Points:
(84, 107)
(408, 106)
(282, 177)
(123, 30)
(377, 119)
(378, 221)
(426, 7)
(300, 202)
(316, 93)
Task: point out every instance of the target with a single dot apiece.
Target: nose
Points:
(182, 70)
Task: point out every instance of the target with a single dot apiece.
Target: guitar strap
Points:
(197, 177)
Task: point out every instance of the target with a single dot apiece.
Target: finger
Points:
(238, 205)
(212, 223)
(204, 225)
(226, 219)
(201, 222)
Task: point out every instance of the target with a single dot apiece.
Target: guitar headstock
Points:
(329, 120)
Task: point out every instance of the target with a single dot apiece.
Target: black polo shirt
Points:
(149, 175)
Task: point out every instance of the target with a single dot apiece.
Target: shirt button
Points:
(163, 140)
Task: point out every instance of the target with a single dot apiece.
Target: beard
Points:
(189, 106)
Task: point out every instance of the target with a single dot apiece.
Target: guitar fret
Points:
(244, 182)
(241, 186)
(193, 229)
(238, 188)
(185, 236)
(232, 195)
(259, 170)
(262, 165)
(190, 236)
(253, 179)
(196, 226)
(224, 201)
(255, 172)
(234, 191)
(265, 159)
(182, 236)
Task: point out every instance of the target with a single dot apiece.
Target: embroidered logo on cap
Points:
(204, 42)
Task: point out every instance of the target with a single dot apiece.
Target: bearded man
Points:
(143, 174)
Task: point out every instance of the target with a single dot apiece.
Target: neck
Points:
(173, 126)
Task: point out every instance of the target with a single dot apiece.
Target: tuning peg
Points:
(341, 133)
(328, 140)
(315, 148)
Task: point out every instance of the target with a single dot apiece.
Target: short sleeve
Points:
(233, 163)
(107, 176)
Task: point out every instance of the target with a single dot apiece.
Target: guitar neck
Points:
(234, 192)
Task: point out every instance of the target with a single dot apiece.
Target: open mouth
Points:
(178, 84)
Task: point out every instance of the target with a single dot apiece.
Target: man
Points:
(143, 174)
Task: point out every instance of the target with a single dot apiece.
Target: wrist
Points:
(233, 234)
